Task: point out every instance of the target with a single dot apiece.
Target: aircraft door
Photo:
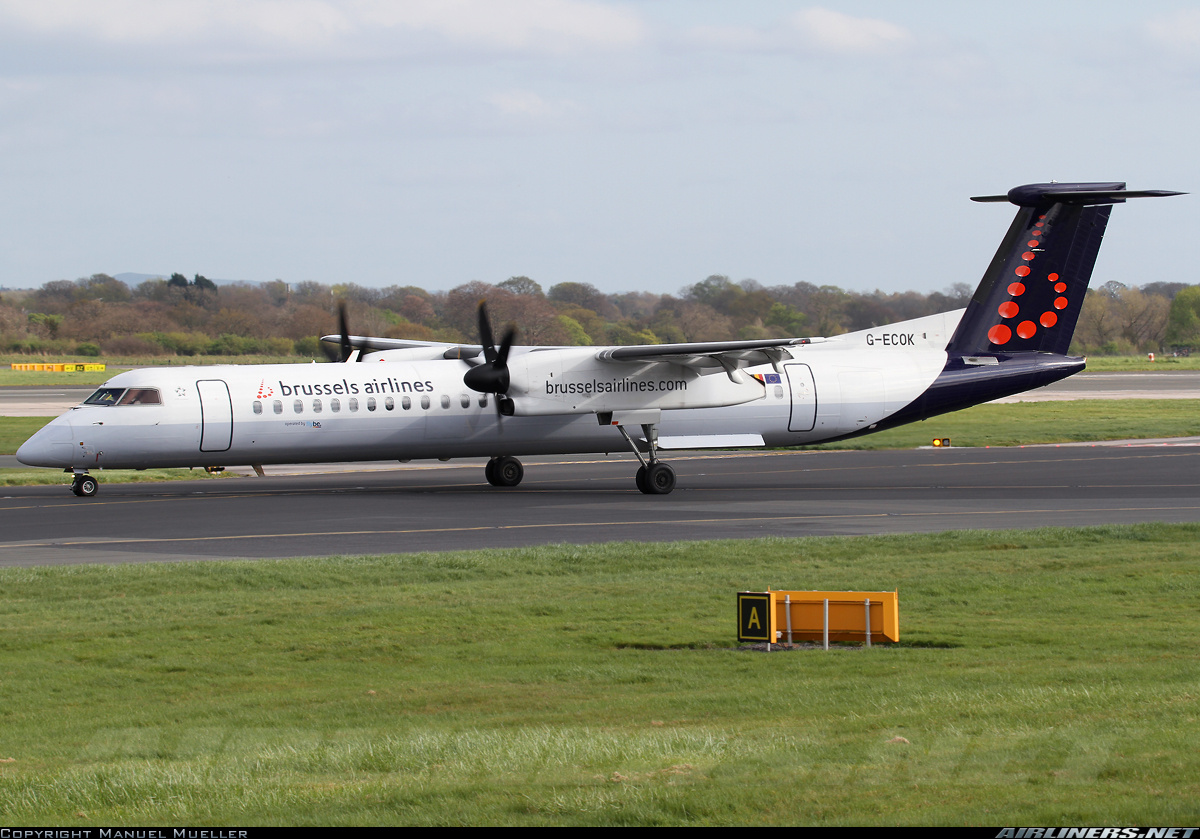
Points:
(216, 415)
(804, 397)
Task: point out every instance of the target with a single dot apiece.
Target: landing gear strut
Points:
(84, 485)
(653, 477)
(504, 471)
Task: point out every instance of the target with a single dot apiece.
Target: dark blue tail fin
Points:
(1033, 290)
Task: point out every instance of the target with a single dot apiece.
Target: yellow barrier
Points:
(59, 368)
(790, 616)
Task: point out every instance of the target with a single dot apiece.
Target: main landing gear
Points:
(653, 477)
(504, 471)
(84, 485)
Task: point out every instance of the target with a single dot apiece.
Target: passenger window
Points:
(405, 403)
(278, 406)
(425, 402)
(335, 405)
(389, 403)
(445, 401)
(466, 401)
(298, 406)
(370, 403)
(483, 400)
(316, 406)
(352, 403)
(257, 407)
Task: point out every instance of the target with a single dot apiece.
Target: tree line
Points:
(181, 317)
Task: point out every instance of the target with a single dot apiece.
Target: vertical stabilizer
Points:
(1032, 292)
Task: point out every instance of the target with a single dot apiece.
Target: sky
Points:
(636, 146)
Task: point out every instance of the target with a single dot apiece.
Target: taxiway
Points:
(579, 499)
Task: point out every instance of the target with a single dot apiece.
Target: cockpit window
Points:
(105, 396)
(140, 396)
(122, 396)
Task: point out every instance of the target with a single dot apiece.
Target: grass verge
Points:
(16, 430)
(1044, 677)
(49, 477)
(1029, 423)
(1141, 364)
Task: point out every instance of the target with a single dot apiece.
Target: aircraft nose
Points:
(52, 446)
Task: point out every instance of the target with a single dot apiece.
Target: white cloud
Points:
(1179, 31)
(730, 38)
(522, 103)
(544, 25)
(353, 26)
(148, 22)
(840, 33)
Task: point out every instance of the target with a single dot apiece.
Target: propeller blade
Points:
(505, 345)
(492, 376)
(344, 331)
(485, 333)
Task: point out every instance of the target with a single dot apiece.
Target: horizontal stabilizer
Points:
(1036, 195)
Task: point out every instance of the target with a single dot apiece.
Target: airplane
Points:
(404, 400)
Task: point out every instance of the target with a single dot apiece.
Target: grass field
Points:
(47, 477)
(1043, 677)
(1027, 423)
(1141, 364)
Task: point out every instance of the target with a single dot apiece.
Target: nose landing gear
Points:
(504, 471)
(84, 485)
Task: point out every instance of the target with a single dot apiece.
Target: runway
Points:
(580, 499)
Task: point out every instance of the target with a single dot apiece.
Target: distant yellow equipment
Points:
(846, 616)
(59, 368)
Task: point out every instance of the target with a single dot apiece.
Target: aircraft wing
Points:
(367, 344)
(711, 357)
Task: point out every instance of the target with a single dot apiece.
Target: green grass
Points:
(46, 477)
(1043, 677)
(16, 430)
(1163, 363)
(1028, 423)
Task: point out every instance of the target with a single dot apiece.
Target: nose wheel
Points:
(84, 486)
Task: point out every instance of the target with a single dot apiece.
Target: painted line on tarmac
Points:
(604, 524)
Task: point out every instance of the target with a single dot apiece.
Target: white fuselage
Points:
(400, 405)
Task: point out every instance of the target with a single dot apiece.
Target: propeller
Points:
(492, 375)
(345, 348)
